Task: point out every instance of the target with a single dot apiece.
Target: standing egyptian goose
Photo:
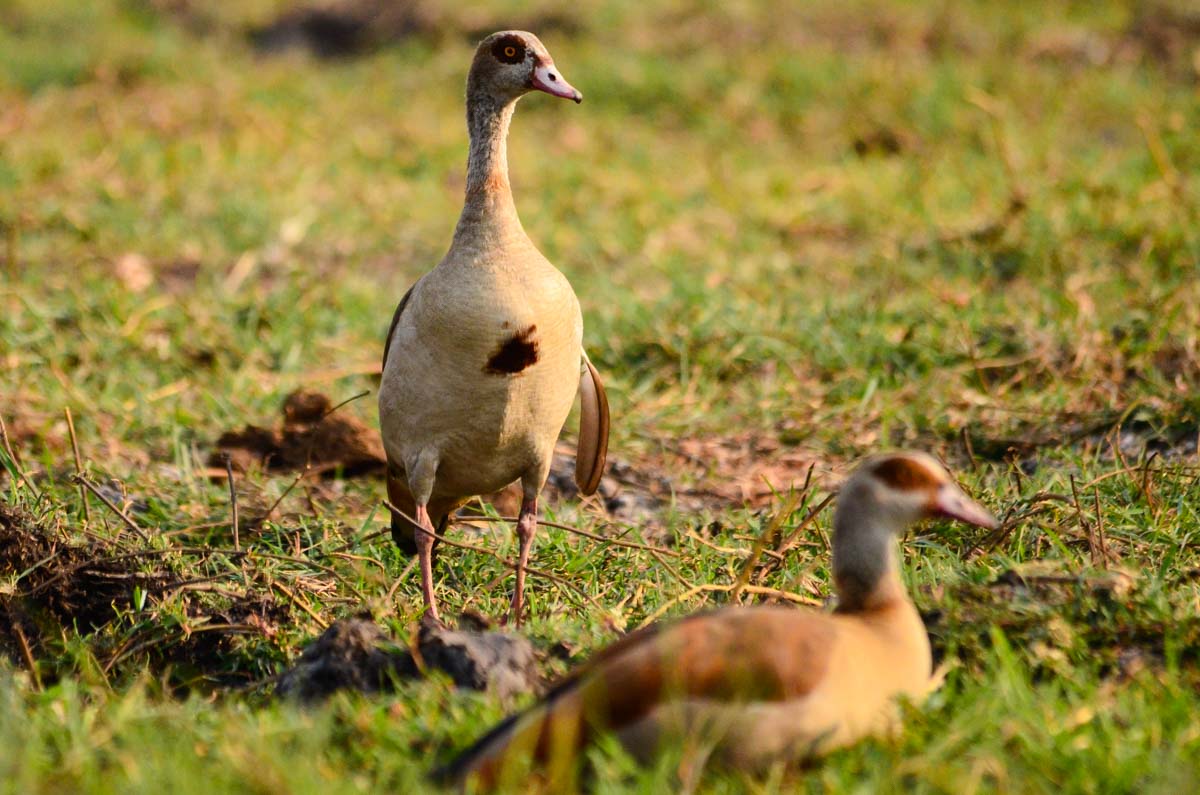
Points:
(485, 352)
(761, 683)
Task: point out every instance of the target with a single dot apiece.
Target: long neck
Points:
(866, 566)
(488, 211)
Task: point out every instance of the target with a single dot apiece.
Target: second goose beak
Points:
(951, 502)
(547, 78)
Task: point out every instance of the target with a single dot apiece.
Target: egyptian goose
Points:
(762, 684)
(485, 352)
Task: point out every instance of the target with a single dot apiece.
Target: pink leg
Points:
(526, 529)
(424, 539)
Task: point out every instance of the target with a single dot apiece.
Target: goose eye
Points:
(507, 50)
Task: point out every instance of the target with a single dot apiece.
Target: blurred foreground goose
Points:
(762, 684)
(485, 352)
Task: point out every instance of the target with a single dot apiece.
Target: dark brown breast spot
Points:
(514, 354)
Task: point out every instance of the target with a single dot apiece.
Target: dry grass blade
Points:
(808, 519)
(132, 525)
(18, 468)
(87, 513)
(768, 538)
(617, 542)
(26, 652)
(233, 504)
(300, 603)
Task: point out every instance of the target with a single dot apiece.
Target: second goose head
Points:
(899, 489)
(511, 63)
(878, 503)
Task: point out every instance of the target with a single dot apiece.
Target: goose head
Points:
(510, 64)
(896, 490)
(878, 503)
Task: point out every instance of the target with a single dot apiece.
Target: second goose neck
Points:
(489, 210)
(866, 566)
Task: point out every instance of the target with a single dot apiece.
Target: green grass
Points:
(784, 225)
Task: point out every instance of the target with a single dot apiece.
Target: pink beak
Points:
(547, 78)
(952, 503)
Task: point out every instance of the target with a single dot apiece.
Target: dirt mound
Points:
(313, 434)
(355, 654)
(499, 662)
(133, 606)
(64, 582)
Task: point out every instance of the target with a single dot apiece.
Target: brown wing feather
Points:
(593, 431)
(387, 343)
(402, 530)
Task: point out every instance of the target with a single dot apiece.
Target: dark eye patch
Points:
(509, 49)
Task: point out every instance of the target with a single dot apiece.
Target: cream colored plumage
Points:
(485, 353)
(761, 684)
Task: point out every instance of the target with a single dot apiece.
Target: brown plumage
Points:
(485, 352)
(762, 684)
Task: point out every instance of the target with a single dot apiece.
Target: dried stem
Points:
(233, 503)
(790, 541)
(22, 477)
(87, 513)
(132, 525)
(768, 538)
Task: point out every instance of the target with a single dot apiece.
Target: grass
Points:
(818, 232)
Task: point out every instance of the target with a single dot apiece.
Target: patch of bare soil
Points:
(355, 654)
(742, 469)
(716, 472)
(312, 435)
(881, 140)
(711, 472)
(626, 494)
(342, 29)
(25, 427)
